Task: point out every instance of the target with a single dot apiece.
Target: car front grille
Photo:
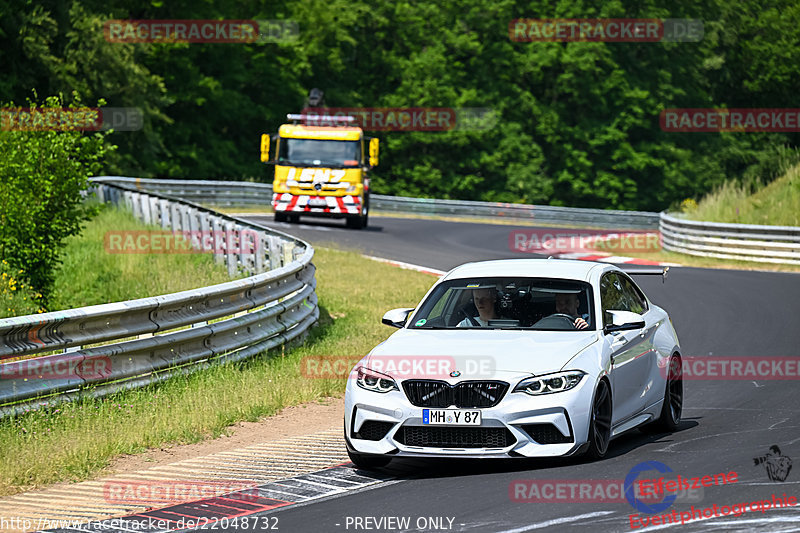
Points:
(373, 430)
(546, 434)
(467, 394)
(455, 437)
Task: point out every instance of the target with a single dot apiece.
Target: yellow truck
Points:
(320, 170)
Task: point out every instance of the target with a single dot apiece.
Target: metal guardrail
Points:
(545, 214)
(744, 242)
(772, 244)
(274, 305)
(239, 193)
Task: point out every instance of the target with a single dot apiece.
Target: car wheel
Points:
(368, 462)
(600, 423)
(672, 408)
(280, 217)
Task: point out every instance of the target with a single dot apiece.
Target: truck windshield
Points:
(319, 152)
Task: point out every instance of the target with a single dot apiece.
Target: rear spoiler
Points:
(660, 271)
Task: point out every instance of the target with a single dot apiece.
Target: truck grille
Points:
(467, 394)
(455, 437)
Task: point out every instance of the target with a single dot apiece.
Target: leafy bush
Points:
(17, 298)
(43, 181)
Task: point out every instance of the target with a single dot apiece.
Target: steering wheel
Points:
(559, 318)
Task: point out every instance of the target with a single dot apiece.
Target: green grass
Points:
(77, 441)
(777, 204)
(91, 275)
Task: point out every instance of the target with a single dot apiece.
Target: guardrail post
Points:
(274, 252)
(174, 217)
(287, 250)
(163, 208)
(230, 248)
(136, 205)
(260, 252)
(194, 229)
(152, 202)
(145, 208)
(219, 240)
(205, 233)
(186, 224)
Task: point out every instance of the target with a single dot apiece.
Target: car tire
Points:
(672, 408)
(356, 222)
(600, 423)
(368, 462)
(280, 217)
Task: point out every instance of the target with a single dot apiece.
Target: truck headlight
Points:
(374, 381)
(550, 383)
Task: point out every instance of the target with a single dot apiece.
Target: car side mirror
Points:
(623, 321)
(396, 317)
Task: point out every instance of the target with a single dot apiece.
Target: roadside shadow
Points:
(425, 468)
(332, 223)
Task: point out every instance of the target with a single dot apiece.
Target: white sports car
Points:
(516, 358)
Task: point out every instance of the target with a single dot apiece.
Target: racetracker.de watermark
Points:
(730, 120)
(403, 118)
(545, 241)
(586, 491)
(66, 119)
(736, 368)
(399, 366)
(61, 366)
(155, 492)
(183, 242)
(200, 31)
(606, 30)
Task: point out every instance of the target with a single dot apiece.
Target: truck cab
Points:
(321, 169)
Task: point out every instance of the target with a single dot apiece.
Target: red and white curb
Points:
(615, 259)
(408, 266)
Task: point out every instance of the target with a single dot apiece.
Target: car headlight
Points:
(374, 381)
(550, 383)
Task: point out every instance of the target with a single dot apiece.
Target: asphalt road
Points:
(726, 423)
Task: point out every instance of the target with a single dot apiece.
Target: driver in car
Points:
(484, 300)
(567, 303)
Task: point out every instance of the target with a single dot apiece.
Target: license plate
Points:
(317, 202)
(451, 417)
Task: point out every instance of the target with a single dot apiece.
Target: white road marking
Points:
(408, 266)
(557, 521)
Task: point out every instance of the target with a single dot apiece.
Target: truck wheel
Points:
(355, 222)
(280, 217)
(360, 221)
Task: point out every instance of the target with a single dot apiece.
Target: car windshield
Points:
(507, 303)
(319, 152)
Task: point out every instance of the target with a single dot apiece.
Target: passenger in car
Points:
(567, 303)
(484, 300)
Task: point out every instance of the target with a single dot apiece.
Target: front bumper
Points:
(562, 417)
(316, 205)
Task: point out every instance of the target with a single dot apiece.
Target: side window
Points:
(612, 296)
(637, 301)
